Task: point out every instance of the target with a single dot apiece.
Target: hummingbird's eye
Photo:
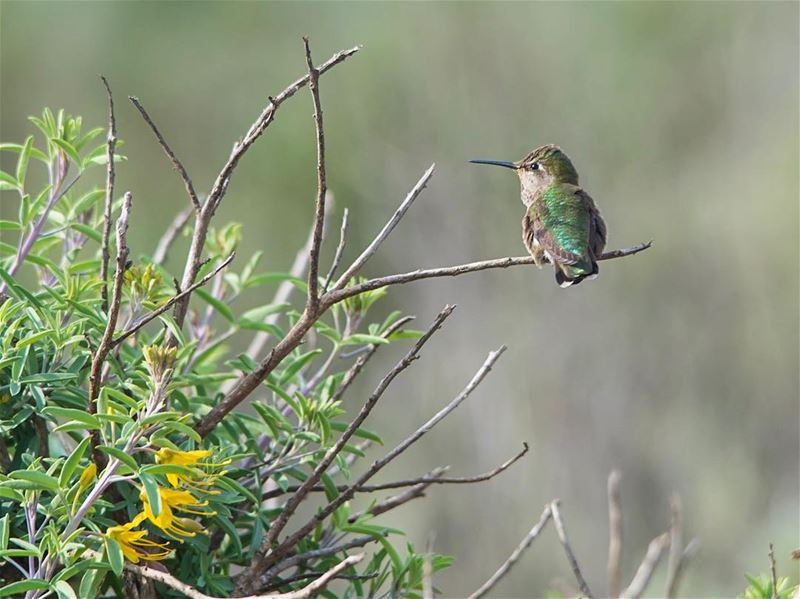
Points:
(534, 166)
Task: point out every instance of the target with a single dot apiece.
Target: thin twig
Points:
(337, 257)
(395, 501)
(514, 557)
(645, 571)
(257, 565)
(282, 295)
(376, 466)
(171, 234)
(353, 269)
(337, 295)
(430, 478)
(772, 572)
(166, 305)
(110, 145)
(562, 536)
(686, 556)
(322, 186)
(301, 558)
(170, 154)
(675, 544)
(111, 324)
(191, 592)
(614, 535)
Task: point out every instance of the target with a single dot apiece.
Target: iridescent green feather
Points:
(566, 217)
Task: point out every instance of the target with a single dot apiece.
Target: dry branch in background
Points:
(614, 535)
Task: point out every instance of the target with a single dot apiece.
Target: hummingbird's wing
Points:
(597, 226)
(563, 222)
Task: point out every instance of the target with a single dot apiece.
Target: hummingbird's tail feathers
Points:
(572, 274)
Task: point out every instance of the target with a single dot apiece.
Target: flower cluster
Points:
(194, 475)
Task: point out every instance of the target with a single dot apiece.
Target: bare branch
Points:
(282, 295)
(294, 538)
(337, 258)
(191, 592)
(645, 571)
(169, 303)
(262, 122)
(111, 324)
(322, 186)
(170, 154)
(675, 544)
(514, 557)
(277, 526)
(686, 556)
(110, 145)
(433, 477)
(562, 535)
(772, 572)
(296, 560)
(171, 234)
(614, 535)
(337, 294)
(396, 501)
(387, 229)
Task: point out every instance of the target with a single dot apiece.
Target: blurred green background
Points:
(678, 366)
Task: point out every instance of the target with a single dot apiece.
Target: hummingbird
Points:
(561, 224)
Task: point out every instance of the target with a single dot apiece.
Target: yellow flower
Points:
(173, 500)
(88, 475)
(165, 455)
(133, 543)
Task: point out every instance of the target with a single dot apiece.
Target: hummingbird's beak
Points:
(504, 163)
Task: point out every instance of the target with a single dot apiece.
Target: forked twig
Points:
(645, 571)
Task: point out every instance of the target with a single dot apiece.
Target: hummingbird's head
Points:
(541, 167)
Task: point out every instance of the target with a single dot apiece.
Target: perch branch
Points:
(168, 304)
(512, 559)
(312, 304)
(353, 269)
(772, 572)
(562, 536)
(258, 563)
(614, 535)
(645, 571)
(177, 165)
(111, 324)
(111, 142)
(337, 295)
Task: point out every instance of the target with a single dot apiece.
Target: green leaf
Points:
(90, 232)
(72, 462)
(260, 313)
(115, 557)
(121, 456)
(67, 148)
(39, 479)
(71, 414)
(4, 530)
(8, 182)
(33, 338)
(17, 148)
(49, 377)
(22, 161)
(90, 583)
(151, 488)
(296, 365)
(276, 277)
(361, 339)
(22, 586)
(173, 328)
(63, 590)
(359, 432)
(379, 535)
(217, 304)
